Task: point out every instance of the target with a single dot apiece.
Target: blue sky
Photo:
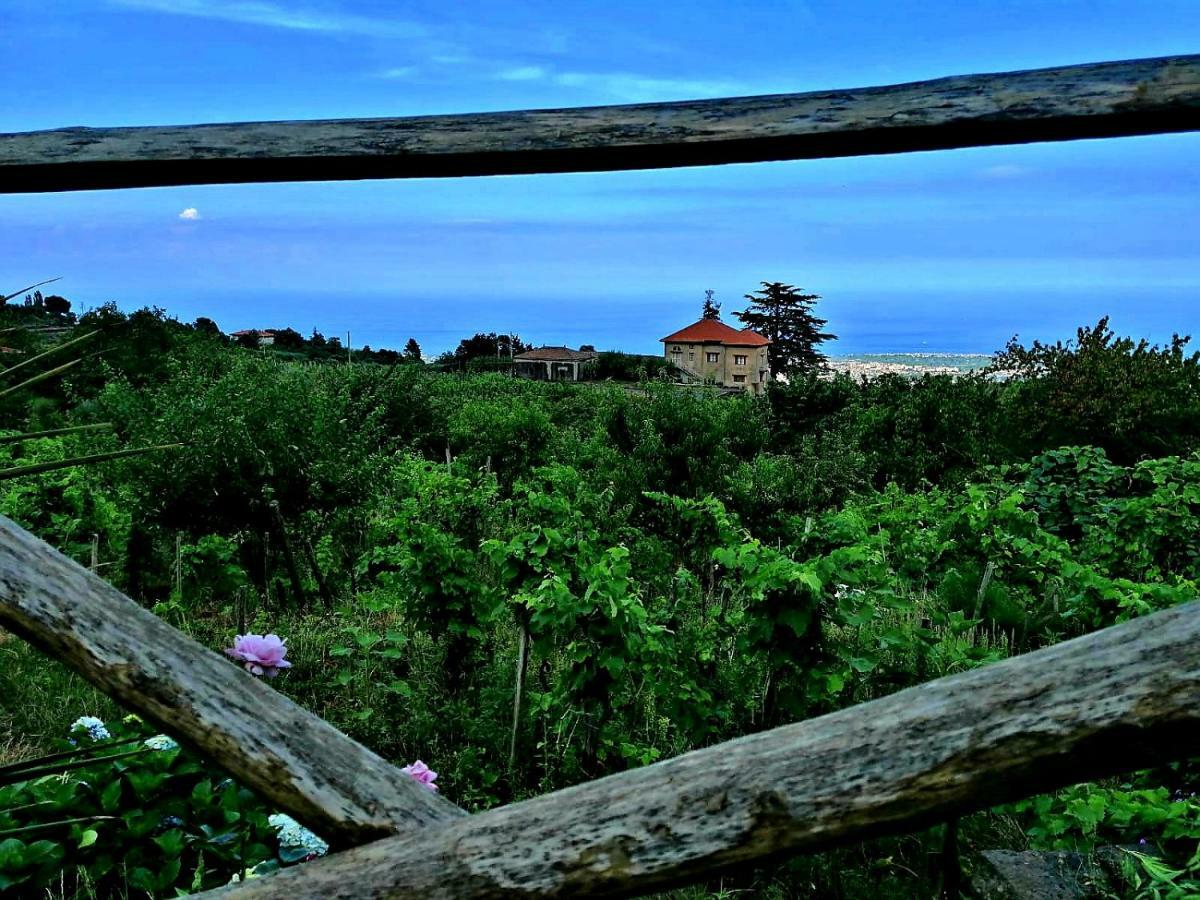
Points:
(949, 251)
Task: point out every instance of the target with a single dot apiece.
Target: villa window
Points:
(691, 356)
(713, 357)
(739, 379)
(739, 360)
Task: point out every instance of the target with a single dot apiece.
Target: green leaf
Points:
(202, 793)
(88, 838)
(796, 619)
(43, 853)
(168, 874)
(171, 843)
(403, 688)
(110, 797)
(12, 855)
(862, 663)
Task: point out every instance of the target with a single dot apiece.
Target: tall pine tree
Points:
(785, 316)
(710, 310)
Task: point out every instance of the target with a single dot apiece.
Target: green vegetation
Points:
(684, 568)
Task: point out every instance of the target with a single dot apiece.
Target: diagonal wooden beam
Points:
(1109, 99)
(1120, 699)
(310, 769)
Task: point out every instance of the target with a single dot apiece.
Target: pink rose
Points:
(260, 654)
(422, 773)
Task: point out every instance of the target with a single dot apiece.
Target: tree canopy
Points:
(784, 315)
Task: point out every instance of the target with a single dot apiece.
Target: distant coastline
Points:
(912, 364)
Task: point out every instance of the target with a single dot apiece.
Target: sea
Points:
(875, 323)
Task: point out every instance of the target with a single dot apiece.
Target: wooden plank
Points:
(1113, 701)
(1107, 99)
(295, 759)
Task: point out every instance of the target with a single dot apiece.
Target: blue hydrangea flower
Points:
(160, 742)
(295, 841)
(94, 727)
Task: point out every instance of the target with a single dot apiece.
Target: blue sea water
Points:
(866, 323)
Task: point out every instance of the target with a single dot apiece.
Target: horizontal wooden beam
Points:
(1107, 99)
(285, 753)
(1117, 700)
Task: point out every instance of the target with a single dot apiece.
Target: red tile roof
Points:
(714, 331)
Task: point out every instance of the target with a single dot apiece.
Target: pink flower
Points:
(422, 773)
(260, 654)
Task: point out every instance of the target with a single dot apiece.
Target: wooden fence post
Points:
(289, 756)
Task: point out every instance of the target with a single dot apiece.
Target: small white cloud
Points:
(522, 73)
(400, 72)
(191, 214)
(639, 88)
(627, 86)
(1006, 171)
(294, 17)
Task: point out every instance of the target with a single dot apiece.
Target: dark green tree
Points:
(784, 315)
(710, 310)
(412, 351)
(489, 345)
(1132, 398)
(57, 305)
(205, 325)
(288, 339)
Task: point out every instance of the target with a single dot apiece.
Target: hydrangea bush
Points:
(122, 808)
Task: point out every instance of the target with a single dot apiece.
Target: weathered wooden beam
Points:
(4, 298)
(305, 765)
(41, 376)
(55, 349)
(1107, 99)
(1110, 702)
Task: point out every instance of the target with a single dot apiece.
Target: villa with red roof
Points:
(715, 353)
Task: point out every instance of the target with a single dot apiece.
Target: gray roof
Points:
(555, 354)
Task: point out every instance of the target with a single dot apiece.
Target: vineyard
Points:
(529, 585)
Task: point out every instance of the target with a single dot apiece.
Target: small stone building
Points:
(715, 353)
(263, 338)
(554, 363)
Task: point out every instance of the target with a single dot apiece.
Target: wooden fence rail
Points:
(1119, 699)
(1107, 99)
